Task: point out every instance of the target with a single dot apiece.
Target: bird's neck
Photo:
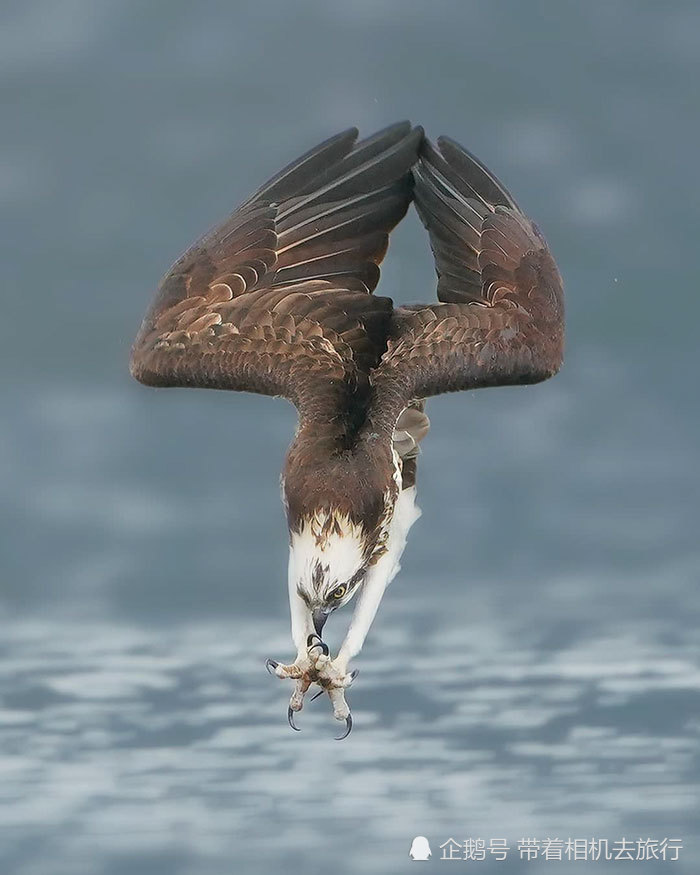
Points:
(321, 476)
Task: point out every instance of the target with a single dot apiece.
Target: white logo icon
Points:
(420, 849)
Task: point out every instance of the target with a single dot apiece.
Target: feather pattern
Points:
(500, 320)
(276, 299)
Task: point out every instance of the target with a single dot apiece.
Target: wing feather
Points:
(500, 316)
(276, 298)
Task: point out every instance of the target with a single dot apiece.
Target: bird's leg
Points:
(329, 674)
(313, 663)
(368, 602)
(300, 669)
(332, 674)
(378, 578)
(334, 683)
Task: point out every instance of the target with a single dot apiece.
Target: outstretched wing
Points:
(501, 320)
(276, 299)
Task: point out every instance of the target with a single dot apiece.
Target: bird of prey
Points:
(278, 300)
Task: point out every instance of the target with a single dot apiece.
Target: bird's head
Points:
(328, 558)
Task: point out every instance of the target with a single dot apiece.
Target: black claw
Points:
(319, 643)
(353, 674)
(290, 718)
(271, 664)
(319, 693)
(348, 724)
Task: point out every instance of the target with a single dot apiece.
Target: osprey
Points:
(278, 300)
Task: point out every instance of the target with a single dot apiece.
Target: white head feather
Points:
(331, 543)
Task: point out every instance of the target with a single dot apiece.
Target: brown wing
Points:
(502, 317)
(276, 299)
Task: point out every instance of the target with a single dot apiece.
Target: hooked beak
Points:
(319, 616)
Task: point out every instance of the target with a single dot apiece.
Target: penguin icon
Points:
(420, 849)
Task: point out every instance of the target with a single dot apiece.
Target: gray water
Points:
(535, 669)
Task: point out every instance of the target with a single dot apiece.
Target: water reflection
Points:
(177, 736)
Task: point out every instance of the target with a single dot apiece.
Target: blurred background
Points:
(534, 670)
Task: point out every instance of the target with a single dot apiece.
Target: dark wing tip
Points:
(348, 137)
(417, 136)
(452, 156)
(397, 134)
(396, 130)
(312, 162)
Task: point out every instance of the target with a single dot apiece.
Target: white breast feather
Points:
(406, 513)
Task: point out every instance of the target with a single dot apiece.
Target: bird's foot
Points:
(315, 666)
(294, 671)
(299, 672)
(333, 678)
(332, 674)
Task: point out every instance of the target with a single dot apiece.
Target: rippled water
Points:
(535, 669)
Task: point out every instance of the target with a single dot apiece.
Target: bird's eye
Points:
(339, 591)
